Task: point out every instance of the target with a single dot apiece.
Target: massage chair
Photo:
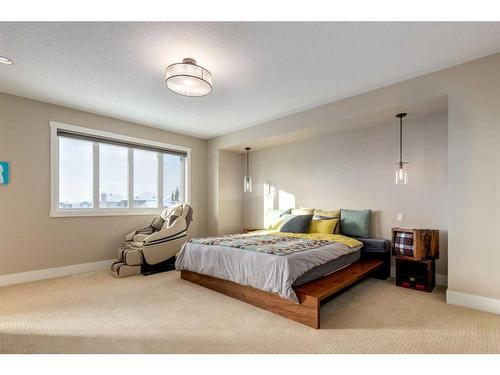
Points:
(152, 248)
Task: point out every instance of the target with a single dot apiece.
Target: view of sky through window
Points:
(76, 176)
(75, 173)
(113, 176)
(145, 179)
(173, 179)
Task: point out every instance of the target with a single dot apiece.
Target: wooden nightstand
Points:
(418, 275)
(415, 251)
(251, 229)
(415, 244)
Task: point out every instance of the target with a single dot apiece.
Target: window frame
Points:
(55, 211)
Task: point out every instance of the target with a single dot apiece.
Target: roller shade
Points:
(117, 142)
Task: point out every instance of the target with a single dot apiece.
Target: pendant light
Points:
(247, 180)
(6, 60)
(188, 79)
(401, 174)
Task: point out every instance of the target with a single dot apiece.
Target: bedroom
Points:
(197, 188)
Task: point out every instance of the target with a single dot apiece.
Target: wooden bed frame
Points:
(310, 294)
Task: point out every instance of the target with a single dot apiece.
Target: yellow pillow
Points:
(329, 214)
(303, 211)
(335, 213)
(323, 226)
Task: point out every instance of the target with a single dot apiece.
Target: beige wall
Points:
(230, 192)
(356, 170)
(473, 158)
(30, 240)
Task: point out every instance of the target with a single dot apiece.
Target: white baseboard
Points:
(472, 301)
(440, 279)
(50, 273)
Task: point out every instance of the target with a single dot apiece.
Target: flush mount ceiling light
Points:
(6, 60)
(188, 79)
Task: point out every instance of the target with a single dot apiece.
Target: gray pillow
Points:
(296, 223)
(355, 223)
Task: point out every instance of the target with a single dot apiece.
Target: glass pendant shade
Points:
(247, 184)
(247, 180)
(401, 175)
(269, 191)
(188, 79)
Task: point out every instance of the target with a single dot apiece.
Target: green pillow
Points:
(355, 223)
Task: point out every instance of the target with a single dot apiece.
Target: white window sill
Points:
(104, 212)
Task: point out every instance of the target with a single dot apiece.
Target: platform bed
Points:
(310, 294)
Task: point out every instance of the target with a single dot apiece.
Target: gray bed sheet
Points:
(329, 267)
(271, 273)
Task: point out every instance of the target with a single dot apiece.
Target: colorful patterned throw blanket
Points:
(270, 244)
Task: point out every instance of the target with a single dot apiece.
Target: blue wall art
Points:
(4, 173)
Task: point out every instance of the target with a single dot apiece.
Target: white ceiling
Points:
(262, 71)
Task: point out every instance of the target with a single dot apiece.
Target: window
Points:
(75, 174)
(173, 179)
(100, 173)
(145, 179)
(113, 176)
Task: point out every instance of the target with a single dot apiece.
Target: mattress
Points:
(270, 273)
(328, 267)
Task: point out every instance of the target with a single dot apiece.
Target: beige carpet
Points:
(95, 313)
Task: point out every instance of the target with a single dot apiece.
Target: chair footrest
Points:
(120, 269)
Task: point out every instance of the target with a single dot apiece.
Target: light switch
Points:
(400, 217)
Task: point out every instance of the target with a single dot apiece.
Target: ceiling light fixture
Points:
(247, 180)
(188, 79)
(6, 60)
(401, 175)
